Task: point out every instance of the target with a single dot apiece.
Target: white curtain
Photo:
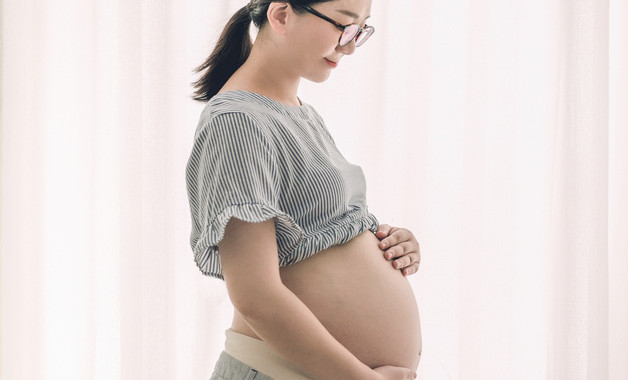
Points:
(496, 130)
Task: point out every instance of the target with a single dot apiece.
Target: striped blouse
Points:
(255, 159)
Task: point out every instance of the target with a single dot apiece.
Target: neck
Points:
(266, 73)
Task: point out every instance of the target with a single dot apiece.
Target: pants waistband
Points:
(260, 356)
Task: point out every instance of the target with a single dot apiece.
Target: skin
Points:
(289, 47)
(401, 248)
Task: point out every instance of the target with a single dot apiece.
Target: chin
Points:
(318, 78)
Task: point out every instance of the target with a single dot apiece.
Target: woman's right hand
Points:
(395, 373)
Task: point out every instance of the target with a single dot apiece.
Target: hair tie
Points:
(251, 7)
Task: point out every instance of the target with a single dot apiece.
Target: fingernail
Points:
(388, 256)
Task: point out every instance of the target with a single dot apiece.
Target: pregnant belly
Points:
(364, 302)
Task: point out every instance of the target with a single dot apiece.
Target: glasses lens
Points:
(362, 37)
(349, 34)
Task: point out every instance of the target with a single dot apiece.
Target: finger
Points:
(406, 261)
(412, 269)
(383, 230)
(399, 250)
(396, 236)
(384, 243)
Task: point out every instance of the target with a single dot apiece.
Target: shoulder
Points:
(231, 114)
(233, 124)
(239, 107)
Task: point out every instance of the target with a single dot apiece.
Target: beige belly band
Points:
(261, 357)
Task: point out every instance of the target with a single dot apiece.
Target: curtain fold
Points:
(578, 348)
(618, 188)
(494, 130)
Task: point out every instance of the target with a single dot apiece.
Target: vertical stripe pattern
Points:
(255, 159)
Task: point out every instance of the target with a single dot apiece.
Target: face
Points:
(315, 41)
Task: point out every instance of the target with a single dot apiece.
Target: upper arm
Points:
(250, 262)
(233, 172)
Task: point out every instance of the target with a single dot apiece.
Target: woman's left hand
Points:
(401, 247)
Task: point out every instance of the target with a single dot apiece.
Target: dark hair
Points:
(234, 46)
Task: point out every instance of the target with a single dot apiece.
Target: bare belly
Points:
(364, 302)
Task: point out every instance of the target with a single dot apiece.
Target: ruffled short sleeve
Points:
(233, 173)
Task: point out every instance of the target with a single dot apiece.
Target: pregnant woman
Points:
(319, 288)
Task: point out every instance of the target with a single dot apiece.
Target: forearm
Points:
(287, 325)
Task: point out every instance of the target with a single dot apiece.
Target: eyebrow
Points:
(350, 14)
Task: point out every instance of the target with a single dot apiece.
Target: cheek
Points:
(319, 40)
(310, 51)
(313, 51)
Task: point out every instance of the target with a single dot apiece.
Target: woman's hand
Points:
(401, 247)
(395, 373)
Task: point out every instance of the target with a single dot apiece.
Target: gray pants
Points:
(229, 368)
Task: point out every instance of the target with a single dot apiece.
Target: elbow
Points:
(246, 307)
(255, 304)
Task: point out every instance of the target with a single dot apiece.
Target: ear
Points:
(278, 16)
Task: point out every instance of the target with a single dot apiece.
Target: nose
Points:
(348, 49)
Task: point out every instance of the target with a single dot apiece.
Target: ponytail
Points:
(232, 49)
(234, 46)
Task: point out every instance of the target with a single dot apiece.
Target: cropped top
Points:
(256, 159)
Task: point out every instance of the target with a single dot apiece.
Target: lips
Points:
(331, 63)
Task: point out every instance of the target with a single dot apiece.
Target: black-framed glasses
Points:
(349, 32)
